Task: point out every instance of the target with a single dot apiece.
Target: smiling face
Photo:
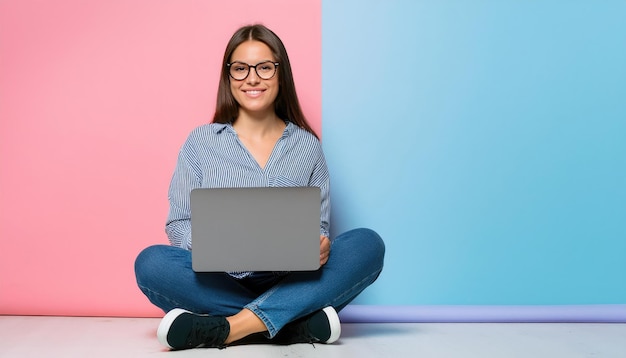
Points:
(254, 95)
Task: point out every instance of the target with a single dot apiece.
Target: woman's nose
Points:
(253, 77)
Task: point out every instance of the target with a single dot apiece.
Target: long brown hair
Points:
(286, 106)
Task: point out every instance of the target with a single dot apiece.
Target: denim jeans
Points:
(165, 276)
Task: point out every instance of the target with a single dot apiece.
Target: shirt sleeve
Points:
(186, 177)
(320, 178)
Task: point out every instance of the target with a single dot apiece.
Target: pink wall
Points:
(96, 98)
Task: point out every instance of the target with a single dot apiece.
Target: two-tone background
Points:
(484, 140)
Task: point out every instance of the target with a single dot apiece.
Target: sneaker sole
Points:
(335, 325)
(166, 323)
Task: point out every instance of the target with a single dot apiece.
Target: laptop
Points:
(255, 229)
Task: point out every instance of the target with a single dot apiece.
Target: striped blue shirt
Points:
(214, 157)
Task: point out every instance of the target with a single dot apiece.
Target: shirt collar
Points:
(221, 127)
(228, 128)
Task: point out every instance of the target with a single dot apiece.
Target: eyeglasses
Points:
(240, 71)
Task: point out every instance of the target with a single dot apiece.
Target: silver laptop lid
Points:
(255, 229)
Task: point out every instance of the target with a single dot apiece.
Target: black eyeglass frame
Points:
(276, 64)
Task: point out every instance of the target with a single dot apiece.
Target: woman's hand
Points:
(324, 249)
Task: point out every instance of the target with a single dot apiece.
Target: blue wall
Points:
(486, 142)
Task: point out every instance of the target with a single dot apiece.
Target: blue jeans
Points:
(165, 276)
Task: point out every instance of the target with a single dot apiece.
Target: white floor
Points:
(135, 337)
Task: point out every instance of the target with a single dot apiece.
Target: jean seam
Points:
(162, 297)
(351, 289)
(254, 307)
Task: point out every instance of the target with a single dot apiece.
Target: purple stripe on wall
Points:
(483, 314)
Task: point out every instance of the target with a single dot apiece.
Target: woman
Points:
(259, 137)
